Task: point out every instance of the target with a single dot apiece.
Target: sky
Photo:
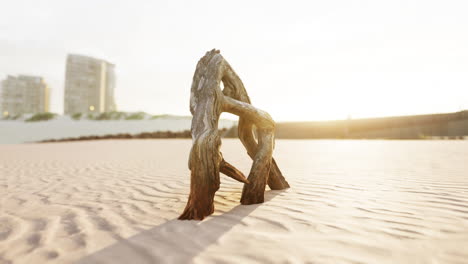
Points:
(299, 60)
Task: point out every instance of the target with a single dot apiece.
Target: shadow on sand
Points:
(174, 241)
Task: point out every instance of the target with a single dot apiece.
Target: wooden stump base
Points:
(199, 206)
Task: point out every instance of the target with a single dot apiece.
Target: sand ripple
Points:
(350, 202)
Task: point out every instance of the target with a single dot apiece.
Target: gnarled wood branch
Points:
(234, 88)
(207, 101)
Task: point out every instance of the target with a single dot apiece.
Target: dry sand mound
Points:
(350, 202)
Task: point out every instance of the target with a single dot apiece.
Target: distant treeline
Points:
(144, 135)
(401, 127)
(452, 125)
(114, 115)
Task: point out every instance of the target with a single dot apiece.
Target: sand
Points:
(350, 202)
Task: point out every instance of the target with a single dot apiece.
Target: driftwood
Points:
(207, 102)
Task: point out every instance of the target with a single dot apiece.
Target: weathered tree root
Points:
(207, 102)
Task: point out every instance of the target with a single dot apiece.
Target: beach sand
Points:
(117, 201)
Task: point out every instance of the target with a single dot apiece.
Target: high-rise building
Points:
(24, 95)
(89, 85)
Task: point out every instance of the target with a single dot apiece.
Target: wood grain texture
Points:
(207, 102)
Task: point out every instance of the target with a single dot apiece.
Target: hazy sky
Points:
(299, 60)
